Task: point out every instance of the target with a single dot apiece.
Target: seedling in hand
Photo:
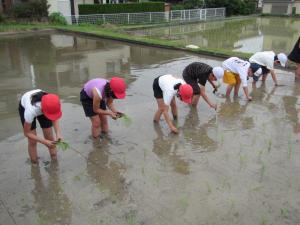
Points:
(62, 145)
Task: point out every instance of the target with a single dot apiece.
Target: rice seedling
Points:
(269, 145)
(62, 145)
(263, 220)
(76, 178)
(208, 188)
(289, 150)
(222, 139)
(184, 203)
(126, 120)
(243, 161)
(262, 171)
(156, 179)
(130, 218)
(226, 183)
(284, 212)
(143, 171)
(255, 189)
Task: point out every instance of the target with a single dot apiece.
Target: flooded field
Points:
(238, 165)
(244, 35)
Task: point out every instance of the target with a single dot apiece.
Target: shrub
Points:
(2, 19)
(121, 8)
(193, 4)
(32, 9)
(233, 7)
(177, 7)
(57, 18)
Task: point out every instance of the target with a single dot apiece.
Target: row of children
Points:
(97, 97)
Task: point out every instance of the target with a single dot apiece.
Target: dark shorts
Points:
(87, 104)
(193, 83)
(156, 89)
(43, 121)
(265, 70)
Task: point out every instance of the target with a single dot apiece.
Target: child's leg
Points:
(104, 123)
(160, 109)
(228, 90)
(174, 108)
(264, 77)
(32, 149)
(48, 134)
(96, 126)
(237, 88)
(297, 72)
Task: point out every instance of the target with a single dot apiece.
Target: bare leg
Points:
(228, 90)
(174, 108)
(237, 88)
(195, 100)
(160, 109)
(96, 126)
(104, 123)
(48, 134)
(297, 73)
(32, 149)
(264, 77)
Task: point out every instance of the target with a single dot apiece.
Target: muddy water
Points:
(239, 165)
(244, 35)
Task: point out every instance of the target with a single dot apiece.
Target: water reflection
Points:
(51, 203)
(243, 35)
(104, 171)
(197, 136)
(166, 149)
(231, 112)
(292, 111)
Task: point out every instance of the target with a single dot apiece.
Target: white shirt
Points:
(166, 83)
(238, 66)
(31, 111)
(264, 59)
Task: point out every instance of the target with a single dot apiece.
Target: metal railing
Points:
(149, 17)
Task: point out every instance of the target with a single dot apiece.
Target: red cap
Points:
(118, 87)
(186, 93)
(51, 106)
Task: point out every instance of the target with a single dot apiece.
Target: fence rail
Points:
(149, 17)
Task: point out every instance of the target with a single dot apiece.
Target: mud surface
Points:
(239, 165)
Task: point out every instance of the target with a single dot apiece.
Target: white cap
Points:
(282, 59)
(218, 72)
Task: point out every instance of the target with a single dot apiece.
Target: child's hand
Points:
(49, 144)
(120, 114)
(113, 115)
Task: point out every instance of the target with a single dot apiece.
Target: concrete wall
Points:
(53, 6)
(266, 8)
(297, 5)
(281, 8)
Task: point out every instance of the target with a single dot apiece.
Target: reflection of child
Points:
(44, 107)
(295, 57)
(95, 96)
(165, 88)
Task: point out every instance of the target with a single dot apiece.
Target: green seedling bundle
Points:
(62, 145)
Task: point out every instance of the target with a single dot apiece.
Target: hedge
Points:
(121, 8)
